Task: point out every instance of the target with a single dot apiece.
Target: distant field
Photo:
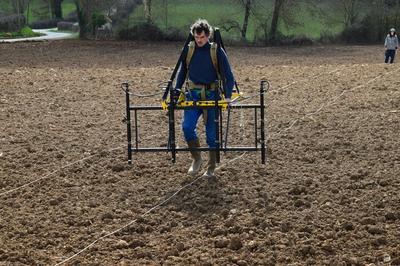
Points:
(307, 20)
(39, 10)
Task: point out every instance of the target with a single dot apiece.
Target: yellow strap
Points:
(210, 103)
(190, 54)
(214, 59)
(223, 104)
(213, 53)
(203, 98)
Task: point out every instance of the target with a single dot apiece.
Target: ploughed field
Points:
(328, 194)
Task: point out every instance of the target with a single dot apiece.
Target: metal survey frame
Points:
(218, 106)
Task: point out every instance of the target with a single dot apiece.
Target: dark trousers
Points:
(390, 54)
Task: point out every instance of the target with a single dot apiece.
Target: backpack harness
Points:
(203, 87)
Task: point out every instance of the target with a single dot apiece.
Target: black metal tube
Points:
(262, 121)
(227, 127)
(171, 112)
(165, 149)
(216, 121)
(255, 128)
(218, 38)
(178, 63)
(128, 122)
(153, 107)
(221, 137)
(136, 131)
(181, 57)
(167, 90)
(221, 145)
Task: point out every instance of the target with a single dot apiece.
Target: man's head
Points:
(392, 31)
(201, 31)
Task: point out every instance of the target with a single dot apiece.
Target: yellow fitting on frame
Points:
(222, 104)
(164, 105)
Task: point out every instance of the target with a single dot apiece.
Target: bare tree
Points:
(396, 12)
(283, 13)
(147, 10)
(278, 6)
(27, 11)
(229, 24)
(350, 11)
(57, 8)
(19, 7)
(247, 4)
(120, 10)
(84, 10)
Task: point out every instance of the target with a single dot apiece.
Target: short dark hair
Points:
(201, 25)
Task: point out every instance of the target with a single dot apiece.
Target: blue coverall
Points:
(202, 71)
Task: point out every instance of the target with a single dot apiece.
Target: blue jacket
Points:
(201, 68)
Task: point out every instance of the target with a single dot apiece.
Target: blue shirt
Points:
(202, 71)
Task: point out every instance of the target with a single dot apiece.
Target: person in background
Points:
(391, 44)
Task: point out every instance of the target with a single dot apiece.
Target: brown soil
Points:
(329, 193)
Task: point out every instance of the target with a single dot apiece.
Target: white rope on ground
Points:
(55, 171)
(239, 100)
(198, 178)
(144, 214)
(161, 203)
(129, 223)
(295, 121)
(306, 79)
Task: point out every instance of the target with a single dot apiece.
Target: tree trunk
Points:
(57, 9)
(275, 20)
(51, 13)
(27, 12)
(350, 12)
(124, 9)
(83, 9)
(247, 6)
(18, 12)
(147, 10)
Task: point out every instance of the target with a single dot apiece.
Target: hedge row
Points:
(67, 26)
(150, 32)
(12, 23)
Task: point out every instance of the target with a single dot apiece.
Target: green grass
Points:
(311, 22)
(182, 13)
(39, 7)
(5, 6)
(25, 32)
(68, 6)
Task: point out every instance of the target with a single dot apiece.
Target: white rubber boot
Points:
(196, 155)
(212, 161)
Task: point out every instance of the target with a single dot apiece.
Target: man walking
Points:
(200, 71)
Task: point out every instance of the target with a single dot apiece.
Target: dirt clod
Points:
(221, 243)
(235, 243)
